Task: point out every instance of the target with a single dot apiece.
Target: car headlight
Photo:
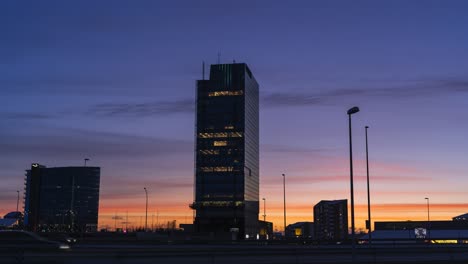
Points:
(64, 247)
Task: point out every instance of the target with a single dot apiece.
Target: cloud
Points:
(143, 109)
(18, 115)
(63, 143)
(288, 99)
(301, 180)
(290, 149)
(68, 85)
(408, 90)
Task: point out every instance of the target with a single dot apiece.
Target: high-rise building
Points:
(62, 198)
(227, 152)
(331, 220)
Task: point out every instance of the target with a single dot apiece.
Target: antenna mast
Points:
(203, 70)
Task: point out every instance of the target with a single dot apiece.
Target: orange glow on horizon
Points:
(295, 213)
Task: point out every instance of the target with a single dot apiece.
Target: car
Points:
(62, 237)
(28, 241)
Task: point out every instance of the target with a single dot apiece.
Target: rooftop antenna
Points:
(219, 58)
(203, 70)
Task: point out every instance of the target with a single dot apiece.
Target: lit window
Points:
(209, 152)
(220, 143)
(216, 169)
(235, 134)
(220, 135)
(226, 93)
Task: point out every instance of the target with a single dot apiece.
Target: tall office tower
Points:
(331, 220)
(227, 152)
(64, 199)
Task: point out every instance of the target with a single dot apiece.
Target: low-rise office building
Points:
(61, 199)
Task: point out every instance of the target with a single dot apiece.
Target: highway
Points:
(243, 254)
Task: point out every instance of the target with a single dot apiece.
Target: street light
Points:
(353, 234)
(284, 192)
(85, 161)
(17, 201)
(368, 191)
(428, 219)
(146, 215)
(264, 209)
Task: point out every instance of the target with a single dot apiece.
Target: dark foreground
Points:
(242, 254)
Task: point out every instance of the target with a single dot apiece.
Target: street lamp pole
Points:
(284, 199)
(146, 215)
(368, 191)
(17, 201)
(353, 234)
(264, 210)
(428, 219)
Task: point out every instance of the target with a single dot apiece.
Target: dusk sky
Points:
(114, 81)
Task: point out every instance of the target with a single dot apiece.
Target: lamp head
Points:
(353, 110)
(367, 126)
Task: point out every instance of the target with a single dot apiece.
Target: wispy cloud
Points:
(290, 99)
(143, 109)
(19, 115)
(300, 180)
(291, 149)
(408, 90)
(61, 143)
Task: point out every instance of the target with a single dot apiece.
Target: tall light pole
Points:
(353, 234)
(85, 161)
(368, 191)
(428, 219)
(146, 215)
(264, 209)
(17, 201)
(284, 196)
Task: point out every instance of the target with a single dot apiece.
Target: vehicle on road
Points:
(27, 241)
(61, 237)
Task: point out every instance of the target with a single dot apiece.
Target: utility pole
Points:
(284, 202)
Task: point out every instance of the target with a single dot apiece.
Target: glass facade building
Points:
(227, 151)
(62, 199)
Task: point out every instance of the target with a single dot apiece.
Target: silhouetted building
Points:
(411, 225)
(303, 230)
(266, 229)
(227, 151)
(331, 220)
(455, 231)
(463, 217)
(62, 198)
(11, 220)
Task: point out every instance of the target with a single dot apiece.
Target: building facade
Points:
(61, 199)
(331, 220)
(302, 230)
(227, 151)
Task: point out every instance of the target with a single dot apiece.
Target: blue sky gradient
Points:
(114, 81)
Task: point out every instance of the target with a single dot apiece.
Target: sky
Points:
(114, 81)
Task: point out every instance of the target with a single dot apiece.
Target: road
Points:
(243, 254)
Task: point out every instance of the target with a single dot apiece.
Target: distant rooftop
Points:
(463, 217)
